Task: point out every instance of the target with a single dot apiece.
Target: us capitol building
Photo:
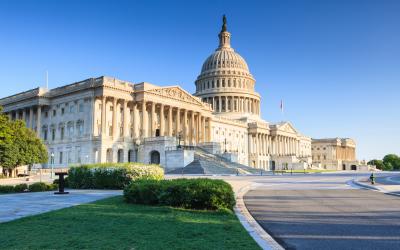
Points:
(105, 119)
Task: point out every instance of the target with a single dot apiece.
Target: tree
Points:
(19, 145)
(378, 163)
(392, 160)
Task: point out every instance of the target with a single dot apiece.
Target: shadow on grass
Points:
(113, 224)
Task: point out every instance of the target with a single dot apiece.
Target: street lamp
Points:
(225, 146)
(179, 139)
(52, 164)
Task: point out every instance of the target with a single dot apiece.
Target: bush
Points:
(185, 193)
(56, 181)
(21, 188)
(111, 175)
(41, 186)
(6, 189)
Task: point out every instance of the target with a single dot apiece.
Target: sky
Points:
(335, 64)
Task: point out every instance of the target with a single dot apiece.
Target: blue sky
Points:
(336, 64)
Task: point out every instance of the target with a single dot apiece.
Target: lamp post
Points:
(225, 146)
(179, 139)
(52, 164)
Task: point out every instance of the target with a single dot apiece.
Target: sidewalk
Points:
(384, 188)
(15, 206)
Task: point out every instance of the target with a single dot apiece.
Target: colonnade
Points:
(22, 114)
(227, 103)
(151, 119)
(265, 144)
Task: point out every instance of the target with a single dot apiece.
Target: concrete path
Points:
(15, 206)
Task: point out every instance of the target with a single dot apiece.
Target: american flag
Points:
(281, 106)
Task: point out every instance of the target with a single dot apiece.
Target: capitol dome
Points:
(226, 83)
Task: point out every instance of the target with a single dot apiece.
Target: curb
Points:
(357, 183)
(263, 239)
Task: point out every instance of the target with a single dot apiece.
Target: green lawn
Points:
(113, 224)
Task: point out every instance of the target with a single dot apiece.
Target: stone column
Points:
(178, 121)
(24, 115)
(198, 130)
(192, 127)
(162, 121)
(125, 121)
(170, 121)
(203, 129)
(185, 128)
(39, 116)
(220, 104)
(213, 103)
(114, 119)
(145, 117)
(209, 130)
(103, 115)
(135, 121)
(30, 117)
(153, 119)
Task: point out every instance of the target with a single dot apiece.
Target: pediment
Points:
(176, 93)
(287, 127)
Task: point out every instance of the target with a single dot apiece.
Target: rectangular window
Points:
(71, 131)
(62, 111)
(62, 133)
(46, 114)
(61, 157)
(81, 107)
(72, 109)
(78, 155)
(45, 134)
(80, 129)
(54, 112)
(53, 134)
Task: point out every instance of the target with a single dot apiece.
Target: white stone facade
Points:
(109, 120)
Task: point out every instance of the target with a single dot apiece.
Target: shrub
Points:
(6, 189)
(41, 186)
(111, 175)
(185, 193)
(21, 188)
(56, 181)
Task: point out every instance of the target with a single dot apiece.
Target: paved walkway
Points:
(15, 206)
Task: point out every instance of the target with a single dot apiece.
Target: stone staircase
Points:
(208, 163)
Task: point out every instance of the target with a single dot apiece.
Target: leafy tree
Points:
(378, 163)
(392, 160)
(19, 145)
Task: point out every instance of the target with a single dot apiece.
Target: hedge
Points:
(111, 175)
(35, 187)
(184, 193)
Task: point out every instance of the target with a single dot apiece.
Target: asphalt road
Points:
(322, 212)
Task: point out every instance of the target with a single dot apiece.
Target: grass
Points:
(113, 224)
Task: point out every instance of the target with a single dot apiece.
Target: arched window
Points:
(120, 155)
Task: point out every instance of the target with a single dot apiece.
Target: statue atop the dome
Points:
(223, 23)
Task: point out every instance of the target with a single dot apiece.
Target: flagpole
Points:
(47, 79)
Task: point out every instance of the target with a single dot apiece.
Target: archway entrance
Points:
(120, 155)
(273, 165)
(109, 155)
(155, 157)
(353, 167)
(344, 167)
(130, 155)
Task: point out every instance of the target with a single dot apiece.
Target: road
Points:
(323, 212)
